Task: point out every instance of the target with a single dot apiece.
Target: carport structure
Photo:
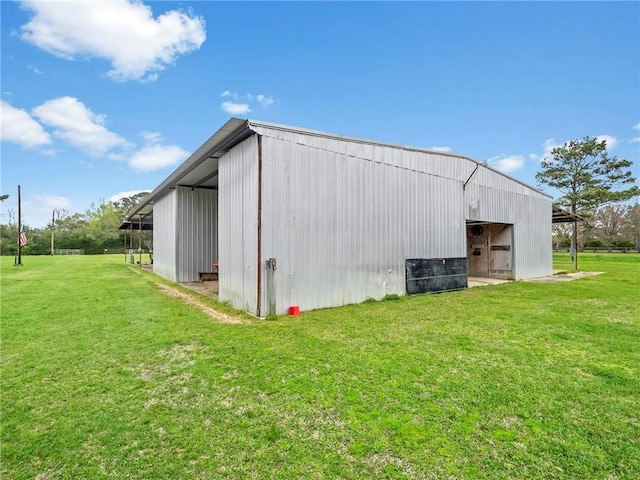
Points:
(130, 227)
(563, 216)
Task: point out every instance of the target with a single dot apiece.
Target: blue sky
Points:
(101, 98)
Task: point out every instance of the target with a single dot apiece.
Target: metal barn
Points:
(299, 217)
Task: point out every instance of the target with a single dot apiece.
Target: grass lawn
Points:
(105, 376)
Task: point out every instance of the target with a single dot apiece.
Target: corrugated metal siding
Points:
(489, 178)
(197, 232)
(341, 221)
(238, 225)
(164, 236)
(531, 218)
(443, 165)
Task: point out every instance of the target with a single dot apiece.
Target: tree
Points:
(10, 233)
(609, 220)
(587, 177)
(3, 197)
(561, 234)
(61, 213)
(632, 224)
(126, 204)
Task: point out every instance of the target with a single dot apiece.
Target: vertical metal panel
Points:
(530, 215)
(164, 236)
(341, 226)
(238, 225)
(341, 217)
(196, 232)
(443, 165)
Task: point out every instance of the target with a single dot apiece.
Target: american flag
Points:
(23, 236)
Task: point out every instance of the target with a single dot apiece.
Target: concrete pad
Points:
(556, 277)
(482, 282)
(564, 277)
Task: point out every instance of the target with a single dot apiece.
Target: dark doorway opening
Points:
(490, 250)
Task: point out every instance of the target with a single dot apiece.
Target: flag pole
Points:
(19, 227)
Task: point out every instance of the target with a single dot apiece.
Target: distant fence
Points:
(69, 251)
(599, 249)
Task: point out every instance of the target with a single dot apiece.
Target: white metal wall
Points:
(530, 214)
(164, 236)
(196, 232)
(341, 225)
(238, 225)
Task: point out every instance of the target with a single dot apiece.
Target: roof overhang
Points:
(144, 224)
(200, 170)
(562, 216)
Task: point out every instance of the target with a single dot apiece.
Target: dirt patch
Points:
(208, 289)
(190, 300)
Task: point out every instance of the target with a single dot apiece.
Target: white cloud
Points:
(549, 144)
(264, 100)
(154, 155)
(19, 127)
(51, 202)
(637, 127)
(35, 69)
(611, 141)
(506, 163)
(242, 104)
(151, 138)
(441, 149)
(78, 125)
(547, 147)
(38, 208)
(125, 33)
(130, 193)
(235, 108)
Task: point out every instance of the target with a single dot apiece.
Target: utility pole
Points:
(53, 227)
(19, 259)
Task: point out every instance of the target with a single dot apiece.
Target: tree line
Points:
(94, 231)
(612, 226)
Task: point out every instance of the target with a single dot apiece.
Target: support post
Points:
(575, 245)
(19, 258)
(140, 239)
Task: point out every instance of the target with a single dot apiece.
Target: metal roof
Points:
(562, 216)
(201, 168)
(147, 224)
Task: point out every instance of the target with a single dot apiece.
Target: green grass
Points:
(104, 376)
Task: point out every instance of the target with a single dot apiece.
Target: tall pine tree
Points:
(587, 177)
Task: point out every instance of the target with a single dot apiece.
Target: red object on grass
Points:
(294, 310)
